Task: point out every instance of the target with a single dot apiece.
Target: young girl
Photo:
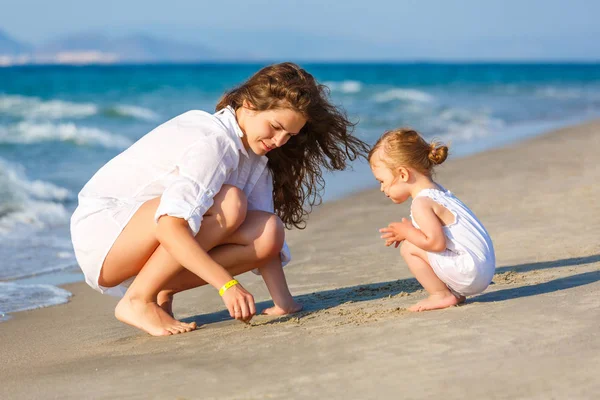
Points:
(205, 197)
(446, 247)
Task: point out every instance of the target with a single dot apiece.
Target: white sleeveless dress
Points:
(468, 263)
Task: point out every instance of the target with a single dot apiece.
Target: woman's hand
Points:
(395, 232)
(240, 303)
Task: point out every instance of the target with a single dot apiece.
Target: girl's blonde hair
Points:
(404, 147)
(325, 141)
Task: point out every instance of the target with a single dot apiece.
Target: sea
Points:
(60, 124)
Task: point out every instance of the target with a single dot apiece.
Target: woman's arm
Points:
(175, 235)
(261, 198)
(202, 170)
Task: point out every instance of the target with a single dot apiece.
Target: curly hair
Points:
(326, 139)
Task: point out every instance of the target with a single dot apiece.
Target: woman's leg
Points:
(439, 294)
(256, 244)
(138, 252)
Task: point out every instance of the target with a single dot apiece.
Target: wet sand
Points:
(532, 335)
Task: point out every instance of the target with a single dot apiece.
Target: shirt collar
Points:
(227, 116)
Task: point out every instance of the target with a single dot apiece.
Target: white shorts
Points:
(95, 226)
(461, 272)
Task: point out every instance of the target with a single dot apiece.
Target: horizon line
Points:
(549, 61)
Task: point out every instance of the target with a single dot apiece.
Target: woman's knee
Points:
(230, 207)
(272, 237)
(106, 282)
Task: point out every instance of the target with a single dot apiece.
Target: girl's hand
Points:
(395, 232)
(240, 303)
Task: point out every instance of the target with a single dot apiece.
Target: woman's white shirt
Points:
(185, 162)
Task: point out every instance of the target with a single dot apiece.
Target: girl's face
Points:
(268, 130)
(394, 186)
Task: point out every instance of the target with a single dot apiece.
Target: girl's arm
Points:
(431, 235)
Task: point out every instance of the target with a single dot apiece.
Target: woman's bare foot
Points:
(165, 301)
(437, 301)
(150, 318)
(276, 310)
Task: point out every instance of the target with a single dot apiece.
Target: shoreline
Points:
(63, 277)
(533, 331)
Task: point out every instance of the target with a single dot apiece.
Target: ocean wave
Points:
(344, 86)
(559, 93)
(28, 252)
(34, 203)
(34, 107)
(410, 95)
(16, 297)
(35, 214)
(18, 270)
(128, 111)
(464, 125)
(27, 132)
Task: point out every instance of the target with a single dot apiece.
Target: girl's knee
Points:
(271, 240)
(230, 207)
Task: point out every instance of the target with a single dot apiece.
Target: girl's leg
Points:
(138, 252)
(256, 244)
(439, 294)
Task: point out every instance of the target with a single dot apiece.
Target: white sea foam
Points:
(33, 225)
(36, 214)
(344, 86)
(411, 95)
(35, 203)
(27, 132)
(558, 93)
(465, 125)
(136, 112)
(34, 107)
(16, 297)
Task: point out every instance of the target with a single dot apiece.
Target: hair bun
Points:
(438, 153)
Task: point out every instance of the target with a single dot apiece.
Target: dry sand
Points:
(532, 335)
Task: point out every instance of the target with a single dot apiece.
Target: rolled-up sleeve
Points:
(261, 198)
(202, 170)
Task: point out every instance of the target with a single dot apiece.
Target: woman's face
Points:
(268, 130)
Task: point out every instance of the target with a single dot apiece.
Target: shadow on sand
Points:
(331, 298)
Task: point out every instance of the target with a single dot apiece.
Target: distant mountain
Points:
(11, 46)
(131, 48)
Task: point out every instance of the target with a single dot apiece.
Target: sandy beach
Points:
(532, 335)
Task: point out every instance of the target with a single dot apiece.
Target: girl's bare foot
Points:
(437, 301)
(165, 301)
(150, 318)
(276, 310)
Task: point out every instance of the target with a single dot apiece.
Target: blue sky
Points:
(374, 29)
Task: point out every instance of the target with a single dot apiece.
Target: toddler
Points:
(445, 246)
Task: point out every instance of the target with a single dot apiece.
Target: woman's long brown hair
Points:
(326, 139)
